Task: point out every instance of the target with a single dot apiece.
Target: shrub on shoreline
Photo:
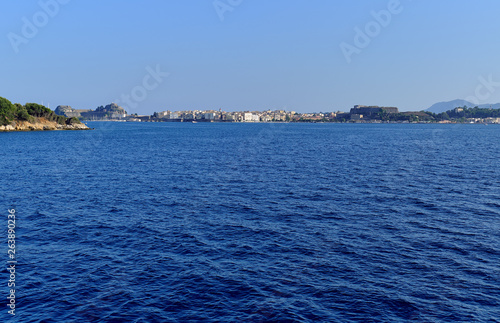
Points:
(10, 113)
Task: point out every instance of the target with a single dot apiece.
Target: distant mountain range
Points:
(450, 105)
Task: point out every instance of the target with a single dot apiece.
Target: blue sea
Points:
(216, 222)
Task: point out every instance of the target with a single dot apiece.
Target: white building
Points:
(247, 117)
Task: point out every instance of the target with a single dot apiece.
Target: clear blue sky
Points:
(263, 54)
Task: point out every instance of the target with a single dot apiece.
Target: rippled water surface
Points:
(175, 222)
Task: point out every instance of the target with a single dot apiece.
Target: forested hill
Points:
(33, 116)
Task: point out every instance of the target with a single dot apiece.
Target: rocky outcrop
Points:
(63, 109)
(110, 112)
(69, 112)
(42, 124)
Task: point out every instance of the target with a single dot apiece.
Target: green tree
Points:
(22, 113)
(11, 112)
(73, 120)
(39, 111)
(7, 111)
(443, 116)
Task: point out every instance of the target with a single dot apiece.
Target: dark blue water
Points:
(170, 222)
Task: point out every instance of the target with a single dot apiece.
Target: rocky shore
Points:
(42, 124)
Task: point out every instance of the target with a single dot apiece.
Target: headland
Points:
(34, 117)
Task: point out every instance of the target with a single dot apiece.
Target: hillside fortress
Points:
(368, 111)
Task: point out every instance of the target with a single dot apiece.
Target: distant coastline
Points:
(32, 116)
(358, 114)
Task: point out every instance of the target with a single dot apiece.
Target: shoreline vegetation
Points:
(34, 117)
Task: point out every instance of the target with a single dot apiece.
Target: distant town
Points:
(358, 114)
